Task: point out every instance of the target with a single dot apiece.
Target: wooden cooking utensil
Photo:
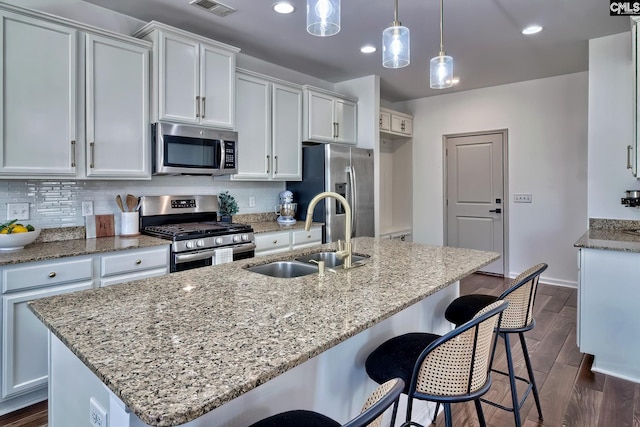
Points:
(132, 202)
(119, 202)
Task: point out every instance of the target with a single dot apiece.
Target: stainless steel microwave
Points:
(179, 149)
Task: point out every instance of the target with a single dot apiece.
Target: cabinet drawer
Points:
(39, 274)
(301, 237)
(268, 241)
(138, 260)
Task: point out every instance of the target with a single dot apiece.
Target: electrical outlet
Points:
(522, 198)
(87, 208)
(252, 201)
(17, 211)
(97, 414)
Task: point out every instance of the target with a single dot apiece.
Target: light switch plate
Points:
(522, 198)
(17, 211)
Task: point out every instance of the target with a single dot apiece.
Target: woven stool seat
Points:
(450, 368)
(517, 318)
(382, 398)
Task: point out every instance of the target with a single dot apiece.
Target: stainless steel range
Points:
(190, 222)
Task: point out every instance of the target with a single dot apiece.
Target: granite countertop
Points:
(269, 226)
(610, 234)
(175, 347)
(41, 251)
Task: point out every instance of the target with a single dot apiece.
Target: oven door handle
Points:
(196, 256)
(246, 247)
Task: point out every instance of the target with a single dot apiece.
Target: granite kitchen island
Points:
(223, 346)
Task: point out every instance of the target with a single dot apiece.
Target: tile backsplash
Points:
(58, 203)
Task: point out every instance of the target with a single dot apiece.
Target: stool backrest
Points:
(379, 400)
(459, 362)
(521, 296)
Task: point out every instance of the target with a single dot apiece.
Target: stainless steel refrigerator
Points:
(342, 169)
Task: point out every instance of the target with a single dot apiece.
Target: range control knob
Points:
(219, 240)
(191, 244)
(236, 239)
(245, 237)
(200, 243)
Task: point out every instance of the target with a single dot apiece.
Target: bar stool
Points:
(445, 369)
(517, 319)
(379, 401)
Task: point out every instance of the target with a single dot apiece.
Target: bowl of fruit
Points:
(15, 236)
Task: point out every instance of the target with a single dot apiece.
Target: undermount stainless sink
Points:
(285, 269)
(330, 259)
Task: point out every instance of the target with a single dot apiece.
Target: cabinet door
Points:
(347, 122)
(397, 124)
(24, 340)
(38, 93)
(320, 118)
(178, 79)
(217, 80)
(117, 79)
(253, 124)
(272, 243)
(385, 121)
(408, 127)
(287, 132)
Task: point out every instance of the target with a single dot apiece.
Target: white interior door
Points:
(475, 200)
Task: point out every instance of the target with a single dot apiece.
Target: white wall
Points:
(610, 127)
(547, 130)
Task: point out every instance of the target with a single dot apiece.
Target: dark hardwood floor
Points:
(571, 395)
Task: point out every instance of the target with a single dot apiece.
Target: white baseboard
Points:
(552, 281)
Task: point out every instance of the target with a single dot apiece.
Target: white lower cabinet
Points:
(133, 265)
(23, 349)
(283, 241)
(608, 315)
(24, 337)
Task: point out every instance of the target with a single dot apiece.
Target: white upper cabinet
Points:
(68, 114)
(38, 108)
(269, 125)
(329, 117)
(396, 123)
(117, 93)
(193, 77)
(286, 119)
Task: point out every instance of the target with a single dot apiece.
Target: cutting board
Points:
(100, 226)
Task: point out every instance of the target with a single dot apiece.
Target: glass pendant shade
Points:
(323, 17)
(441, 72)
(395, 47)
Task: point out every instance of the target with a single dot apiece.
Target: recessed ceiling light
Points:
(533, 29)
(367, 49)
(283, 7)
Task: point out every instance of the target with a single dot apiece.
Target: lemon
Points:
(4, 231)
(19, 229)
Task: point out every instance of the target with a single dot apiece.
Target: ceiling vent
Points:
(216, 8)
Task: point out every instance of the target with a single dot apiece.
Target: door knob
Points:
(496, 210)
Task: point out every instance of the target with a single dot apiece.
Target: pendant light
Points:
(395, 44)
(323, 17)
(441, 66)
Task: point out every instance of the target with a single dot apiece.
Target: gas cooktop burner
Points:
(196, 229)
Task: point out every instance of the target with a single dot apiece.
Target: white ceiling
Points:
(483, 37)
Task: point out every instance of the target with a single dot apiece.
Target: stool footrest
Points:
(524, 397)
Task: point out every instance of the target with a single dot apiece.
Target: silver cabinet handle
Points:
(204, 106)
(380, 122)
(197, 106)
(138, 261)
(73, 154)
(629, 149)
(93, 154)
(52, 274)
(267, 163)
(275, 167)
(335, 129)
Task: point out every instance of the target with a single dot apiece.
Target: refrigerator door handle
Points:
(354, 207)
